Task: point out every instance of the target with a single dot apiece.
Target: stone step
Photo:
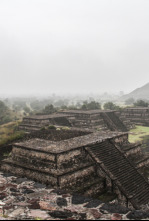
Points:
(120, 167)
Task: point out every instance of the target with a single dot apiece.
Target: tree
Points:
(49, 109)
(93, 105)
(141, 103)
(5, 113)
(3, 108)
(111, 106)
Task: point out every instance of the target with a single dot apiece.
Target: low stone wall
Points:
(30, 174)
(139, 116)
(134, 151)
(120, 140)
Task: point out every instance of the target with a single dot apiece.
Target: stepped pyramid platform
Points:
(98, 119)
(94, 120)
(37, 122)
(86, 162)
(132, 185)
(138, 115)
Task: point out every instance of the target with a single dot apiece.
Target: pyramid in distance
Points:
(139, 93)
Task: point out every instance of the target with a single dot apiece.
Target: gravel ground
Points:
(22, 199)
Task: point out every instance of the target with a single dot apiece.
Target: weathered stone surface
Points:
(76, 209)
(38, 214)
(93, 203)
(61, 214)
(27, 191)
(116, 216)
(20, 180)
(47, 206)
(59, 192)
(61, 202)
(95, 213)
(137, 215)
(39, 186)
(76, 199)
(34, 204)
(112, 208)
(16, 213)
(50, 205)
(3, 195)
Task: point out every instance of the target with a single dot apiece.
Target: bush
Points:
(11, 138)
(141, 103)
(49, 109)
(111, 106)
(52, 127)
(93, 105)
(43, 129)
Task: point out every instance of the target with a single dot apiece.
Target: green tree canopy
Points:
(5, 113)
(3, 108)
(49, 109)
(111, 106)
(93, 105)
(141, 103)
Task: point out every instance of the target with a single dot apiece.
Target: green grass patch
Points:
(138, 134)
(9, 133)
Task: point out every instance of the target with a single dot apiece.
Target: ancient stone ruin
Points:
(138, 116)
(98, 119)
(93, 120)
(37, 122)
(86, 162)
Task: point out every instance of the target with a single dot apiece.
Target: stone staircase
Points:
(114, 122)
(123, 174)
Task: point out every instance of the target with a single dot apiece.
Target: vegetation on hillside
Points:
(93, 105)
(9, 133)
(141, 103)
(111, 106)
(6, 115)
(49, 109)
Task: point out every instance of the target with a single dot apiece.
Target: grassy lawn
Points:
(8, 132)
(138, 134)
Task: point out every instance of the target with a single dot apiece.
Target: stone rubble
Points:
(22, 199)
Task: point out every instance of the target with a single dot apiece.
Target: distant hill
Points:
(139, 93)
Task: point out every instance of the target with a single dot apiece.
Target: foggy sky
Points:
(71, 46)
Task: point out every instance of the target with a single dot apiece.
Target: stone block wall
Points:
(138, 116)
(71, 170)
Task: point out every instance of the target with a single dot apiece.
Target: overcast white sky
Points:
(73, 46)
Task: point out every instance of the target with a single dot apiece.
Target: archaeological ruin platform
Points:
(91, 163)
(94, 120)
(37, 122)
(138, 115)
(98, 119)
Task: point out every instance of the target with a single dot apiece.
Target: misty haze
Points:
(65, 46)
(74, 109)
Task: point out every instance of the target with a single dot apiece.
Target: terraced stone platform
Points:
(122, 173)
(98, 119)
(62, 164)
(138, 115)
(37, 122)
(90, 163)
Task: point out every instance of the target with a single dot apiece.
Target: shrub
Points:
(52, 127)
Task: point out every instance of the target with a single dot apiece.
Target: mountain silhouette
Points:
(139, 93)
